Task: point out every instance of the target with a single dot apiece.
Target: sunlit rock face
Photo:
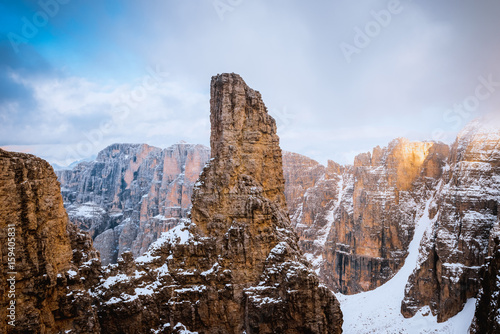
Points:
(356, 222)
(50, 264)
(465, 223)
(235, 266)
(131, 194)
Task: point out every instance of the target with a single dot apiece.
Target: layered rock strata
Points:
(321, 199)
(465, 214)
(48, 266)
(131, 194)
(356, 222)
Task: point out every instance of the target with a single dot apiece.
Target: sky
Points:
(340, 77)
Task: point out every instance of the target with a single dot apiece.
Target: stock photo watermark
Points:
(30, 26)
(283, 117)
(128, 103)
(224, 6)
(364, 35)
(11, 274)
(461, 112)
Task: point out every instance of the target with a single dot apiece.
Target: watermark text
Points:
(11, 274)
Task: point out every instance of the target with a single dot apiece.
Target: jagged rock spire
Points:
(236, 266)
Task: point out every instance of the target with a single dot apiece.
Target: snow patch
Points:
(146, 258)
(72, 273)
(214, 268)
(87, 210)
(178, 235)
(182, 329)
(112, 280)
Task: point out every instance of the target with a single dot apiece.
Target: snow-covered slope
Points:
(379, 310)
(356, 222)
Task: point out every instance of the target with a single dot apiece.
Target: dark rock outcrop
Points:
(487, 315)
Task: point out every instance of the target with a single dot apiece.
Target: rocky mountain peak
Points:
(131, 194)
(246, 157)
(464, 218)
(235, 266)
(479, 140)
(123, 150)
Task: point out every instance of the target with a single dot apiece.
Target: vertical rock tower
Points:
(240, 203)
(235, 267)
(242, 190)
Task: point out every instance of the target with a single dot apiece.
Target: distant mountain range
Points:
(355, 222)
(73, 164)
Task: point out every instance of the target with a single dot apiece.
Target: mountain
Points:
(232, 266)
(356, 222)
(72, 165)
(465, 222)
(131, 194)
(129, 214)
(235, 265)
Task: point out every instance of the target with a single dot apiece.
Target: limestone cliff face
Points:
(487, 315)
(50, 265)
(356, 222)
(132, 193)
(235, 266)
(465, 213)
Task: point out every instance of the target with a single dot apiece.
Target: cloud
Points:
(72, 84)
(82, 117)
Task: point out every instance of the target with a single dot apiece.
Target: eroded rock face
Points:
(356, 222)
(465, 213)
(235, 266)
(55, 264)
(487, 315)
(132, 193)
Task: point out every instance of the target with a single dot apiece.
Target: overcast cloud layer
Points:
(340, 77)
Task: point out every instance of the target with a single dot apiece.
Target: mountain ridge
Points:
(356, 221)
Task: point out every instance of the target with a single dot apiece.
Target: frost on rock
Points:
(182, 329)
(177, 235)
